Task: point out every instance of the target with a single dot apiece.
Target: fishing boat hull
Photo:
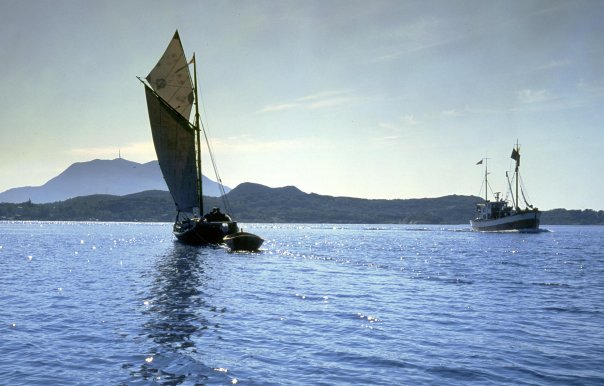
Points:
(528, 220)
(198, 232)
(243, 241)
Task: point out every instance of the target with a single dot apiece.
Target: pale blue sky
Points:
(372, 99)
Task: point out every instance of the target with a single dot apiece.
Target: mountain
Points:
(116, 177)
(253, 202)
(257, 203)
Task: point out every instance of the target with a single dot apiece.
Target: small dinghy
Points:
(243, 241)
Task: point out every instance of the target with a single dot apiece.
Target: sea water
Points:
(124, 304)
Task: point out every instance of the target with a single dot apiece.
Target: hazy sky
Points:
(372, 99)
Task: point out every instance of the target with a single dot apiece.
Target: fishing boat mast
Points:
(486, 180)
(486, 177)
(516, 157)
(197, 139)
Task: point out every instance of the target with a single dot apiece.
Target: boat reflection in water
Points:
(177, 312)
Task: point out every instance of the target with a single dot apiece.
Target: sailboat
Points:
(171, 95)
(500, 214)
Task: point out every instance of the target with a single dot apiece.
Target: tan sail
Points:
(171, 79)
(169, 100)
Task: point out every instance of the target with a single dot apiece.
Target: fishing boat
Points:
(171, 94)
(243, 241)
(501, 214)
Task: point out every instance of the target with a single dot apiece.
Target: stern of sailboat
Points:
(198, 232)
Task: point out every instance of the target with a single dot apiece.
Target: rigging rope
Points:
(522, 191)
(480, 191)
(225, 200)
(486, 189)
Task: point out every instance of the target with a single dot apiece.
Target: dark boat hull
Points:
(520, 221)
(199, 232)
(243, 241)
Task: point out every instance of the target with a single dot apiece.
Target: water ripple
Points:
(123, 304)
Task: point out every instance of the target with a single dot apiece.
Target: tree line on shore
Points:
(257, 203)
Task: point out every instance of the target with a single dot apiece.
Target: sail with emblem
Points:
(171, 79)
(170, 97)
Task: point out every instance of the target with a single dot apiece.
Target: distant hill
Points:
(257, 203)
(115, 177)
(251, 202)
(573, 217)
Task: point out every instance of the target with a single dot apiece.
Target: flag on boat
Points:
(479, 162)
(515, 156)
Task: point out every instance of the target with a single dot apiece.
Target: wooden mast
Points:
(517, 165)
(197, 139)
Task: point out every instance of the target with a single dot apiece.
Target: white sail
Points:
(171, 79)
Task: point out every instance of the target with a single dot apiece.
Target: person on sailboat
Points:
(216, 216)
